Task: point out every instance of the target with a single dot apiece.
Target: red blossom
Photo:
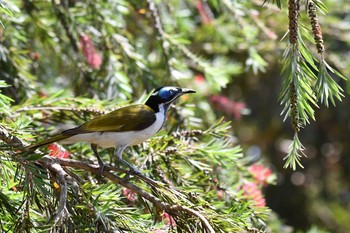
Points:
(204, 11)
(221, 194)
(201, 84)
(252, 191)
(58, 151)
(92, 57)
(169, 220)
(228, 106)
(199, 79)
(34, 56)
(130, 195)
(260, 173)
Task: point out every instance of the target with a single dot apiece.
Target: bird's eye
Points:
(167, 93)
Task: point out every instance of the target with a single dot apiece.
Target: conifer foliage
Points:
(304, 83)
(64, 62)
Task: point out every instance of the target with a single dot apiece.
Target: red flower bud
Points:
(92, 57)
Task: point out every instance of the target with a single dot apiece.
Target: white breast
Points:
(113, 139)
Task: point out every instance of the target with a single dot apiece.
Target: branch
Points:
(179, 209)
(63, 20)
(61, 108)
(175, 209)
(162, 35)
(9, 138)
(62, 177)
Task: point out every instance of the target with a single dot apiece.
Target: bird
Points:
(123, 127)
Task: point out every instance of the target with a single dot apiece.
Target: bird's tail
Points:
(48, 141)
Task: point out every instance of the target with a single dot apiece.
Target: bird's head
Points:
(165, 96)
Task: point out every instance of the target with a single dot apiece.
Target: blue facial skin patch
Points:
(167, 93)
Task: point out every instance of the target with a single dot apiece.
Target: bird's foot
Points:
(101, 168)
(100, 162)
(132, 171)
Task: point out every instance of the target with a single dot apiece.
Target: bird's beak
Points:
(186, 90)
(182, 92)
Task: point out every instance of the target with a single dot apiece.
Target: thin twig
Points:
(9, 139)
(205, 221)
(176, 210)
(62, 18)
(61, 108)
(62, 177)
(162, 36)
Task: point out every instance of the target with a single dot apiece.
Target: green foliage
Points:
(5, 101)
(4, 9)
(192, 164)
(64, 62)
(297, 95)
(302, 86)
(325, 85)
(295, 154)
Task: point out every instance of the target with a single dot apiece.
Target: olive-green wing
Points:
(130, 118)
(48, 141)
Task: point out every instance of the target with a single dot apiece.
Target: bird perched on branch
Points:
(123, 127)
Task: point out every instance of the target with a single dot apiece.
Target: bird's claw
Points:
(132, 171)
(101, 168)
